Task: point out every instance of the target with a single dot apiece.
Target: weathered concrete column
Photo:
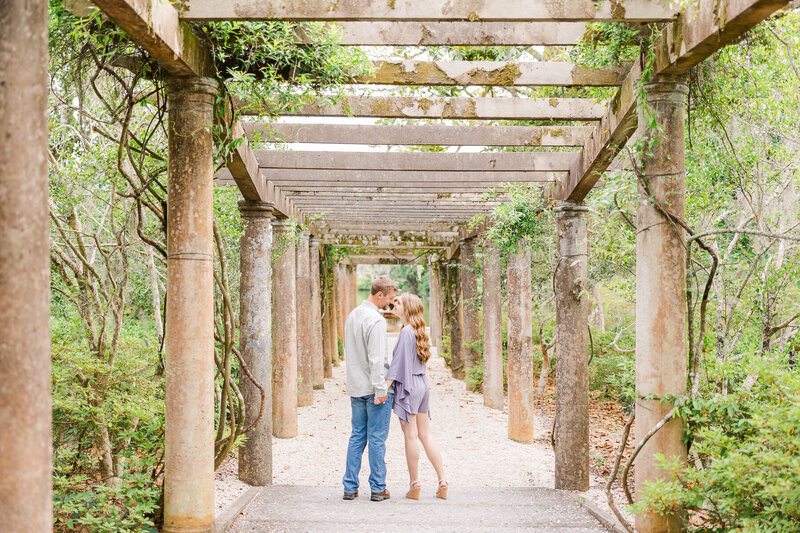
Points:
(352, 287)
(572, 349)
(454, 317)
(328, 327)
(434, 304)
(317, 354)
(520, 347)
(189, 339)
(340, 301)
(305, 393)
(469, 298)
(660, 292)
(255, 341)
(25, 407)
(284, 334)
(492, 329)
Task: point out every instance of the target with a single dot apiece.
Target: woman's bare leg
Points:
(430, 444)
(412, 448)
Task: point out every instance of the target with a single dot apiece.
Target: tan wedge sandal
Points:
(414, 490)
(442, 492)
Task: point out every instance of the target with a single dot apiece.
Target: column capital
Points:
(255, 209)
(668, 89)
(567, 209)
(313, 241)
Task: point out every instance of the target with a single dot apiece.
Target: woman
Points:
(411, 391)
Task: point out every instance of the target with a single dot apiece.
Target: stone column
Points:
(454, 317)
(520, 347)
(255, 341)
(189, 339)
(328, 329)
(340, 301)
(492, 329)
(572, 349)
(305, 394)
(284, 334)
(469, 298)
(660, 292)
(435, 318)
(317, 353)
(25, 407)
(352, 287)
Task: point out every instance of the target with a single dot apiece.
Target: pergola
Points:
(431, 197)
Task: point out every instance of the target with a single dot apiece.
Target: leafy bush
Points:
(474, 376)
(749, 445)
(130, 415)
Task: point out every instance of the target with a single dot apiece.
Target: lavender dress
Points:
(411, 388)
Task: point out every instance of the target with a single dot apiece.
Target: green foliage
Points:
(525, 219)
(79, 504)
(474, 376)
(132, 415)
(607, 44)
(411, 279)
(748, 442)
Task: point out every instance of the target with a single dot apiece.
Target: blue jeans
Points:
(370, 426)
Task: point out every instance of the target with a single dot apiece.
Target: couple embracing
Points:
(377, 388)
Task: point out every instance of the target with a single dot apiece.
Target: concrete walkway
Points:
(321, 509)
(495, 484)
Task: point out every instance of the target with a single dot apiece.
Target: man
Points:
(367, 361)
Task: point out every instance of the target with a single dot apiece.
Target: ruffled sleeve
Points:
(401, 370)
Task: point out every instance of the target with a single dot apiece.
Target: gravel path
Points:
(473, 439)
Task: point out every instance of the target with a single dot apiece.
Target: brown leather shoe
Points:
(380, 496)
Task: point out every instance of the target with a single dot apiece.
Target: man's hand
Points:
(381, 399)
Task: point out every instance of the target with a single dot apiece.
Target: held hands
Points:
(381, 399)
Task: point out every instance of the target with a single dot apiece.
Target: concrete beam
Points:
(380, 259)
(299, 162)
(491, 73)
(461, 33)
(438, 187)
(243, 169)
(410, 195)
(439, 108)
(380, 225)
(156, 27)
(455, 135)
(705, 27)
(452, 181)
(432, 10)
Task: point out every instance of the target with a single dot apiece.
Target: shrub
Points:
(749, 444)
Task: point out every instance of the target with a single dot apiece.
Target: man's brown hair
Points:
(383, 284)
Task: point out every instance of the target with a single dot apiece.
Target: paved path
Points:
(321, 509)
(495, 484)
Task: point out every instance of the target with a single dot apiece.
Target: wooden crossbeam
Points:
(380, 258)
(378, 226)
(410, 195)
(375, 243)
(291, 188)
(576, 109)
(411, 135)
(414, 161)
(155, 26)
(430, 10)
(707, 26)
(491, 73)
(242, 168)
(375, 33)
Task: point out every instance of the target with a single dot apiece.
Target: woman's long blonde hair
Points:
(412, 306)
